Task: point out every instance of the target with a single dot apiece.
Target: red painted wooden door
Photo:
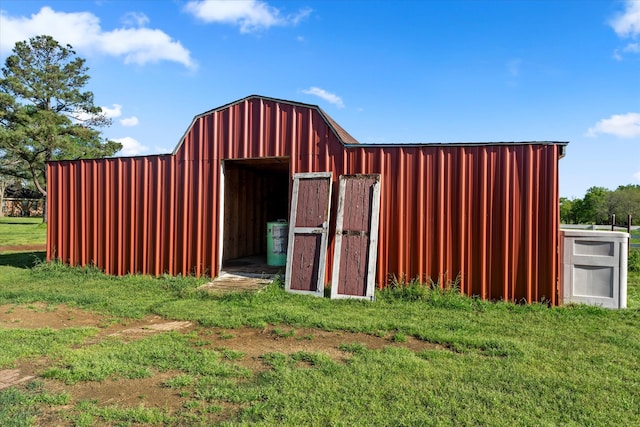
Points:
(356, 243)
(308, 233)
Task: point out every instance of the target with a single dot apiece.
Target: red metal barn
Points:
(484, 212)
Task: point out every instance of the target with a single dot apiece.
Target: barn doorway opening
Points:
(256, 192)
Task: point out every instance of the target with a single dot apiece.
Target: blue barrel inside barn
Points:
(277, 239)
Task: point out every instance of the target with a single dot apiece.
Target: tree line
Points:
(599, 203)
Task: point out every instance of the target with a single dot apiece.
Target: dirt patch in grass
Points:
(23, 248)
(40, 315)
(121, 393)
(287, 340)
(151, 392)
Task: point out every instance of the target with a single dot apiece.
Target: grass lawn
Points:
(22, 231)
(444, 359)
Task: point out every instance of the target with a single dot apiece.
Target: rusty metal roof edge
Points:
(339, 132)
(454, 144)
(342, 135)
(561, 144)
(141, 156)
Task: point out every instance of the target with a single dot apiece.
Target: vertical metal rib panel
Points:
(109, 213)
(487, 214)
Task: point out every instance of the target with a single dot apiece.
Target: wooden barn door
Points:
(308, 233)
(356, 243)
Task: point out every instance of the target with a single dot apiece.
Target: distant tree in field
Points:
(599, 204)
(593, 208)
(44, 113)
(566, 211)
(625, 201)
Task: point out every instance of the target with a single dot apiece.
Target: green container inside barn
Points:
(277, 239)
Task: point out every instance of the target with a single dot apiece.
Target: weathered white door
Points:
(356, 242)
(308, 233)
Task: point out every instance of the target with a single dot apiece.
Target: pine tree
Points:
(45, 114)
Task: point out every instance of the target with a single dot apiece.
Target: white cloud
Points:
(249, 15)
(143, 45)
(616, 55)
(130, 146)
(81, 116)
(82, 30)
(627, 26)
(632, 48)
(129, 121)
(637, 176)
(327, 96)
(620, 125)
(627, 23)
(135, 19)
(111, 113)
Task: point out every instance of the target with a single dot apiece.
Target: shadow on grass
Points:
(20, 223)
(22, 259)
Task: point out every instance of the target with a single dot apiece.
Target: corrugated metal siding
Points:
(114, 213)
(487, 214)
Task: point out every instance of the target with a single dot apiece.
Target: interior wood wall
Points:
(253, 197)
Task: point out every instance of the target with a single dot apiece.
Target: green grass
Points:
(88, 412)
(22, 231)
(21, 344)
(129, 296)
(634, 260)
(633, 290)
(139, 359)
(395, 386)
(20, 407)
(499, 364)
(493, 363)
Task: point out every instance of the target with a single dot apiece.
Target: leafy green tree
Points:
(625, 201)
(578, 211)
(566, 211)
(44, 113)
(593, 208)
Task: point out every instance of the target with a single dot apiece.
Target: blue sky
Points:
(387, 71)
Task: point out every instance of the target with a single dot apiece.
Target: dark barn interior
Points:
(256, 191)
